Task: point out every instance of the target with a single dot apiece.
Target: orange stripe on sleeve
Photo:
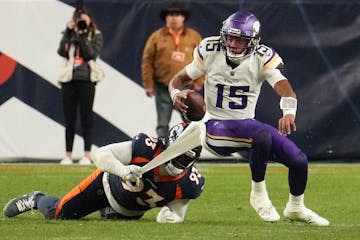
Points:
(140, 160)
(76, 191)
(179, 194)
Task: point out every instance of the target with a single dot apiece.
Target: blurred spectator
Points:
(80, 43)
(167, 51)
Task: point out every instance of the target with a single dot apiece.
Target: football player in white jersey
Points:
(236, 65)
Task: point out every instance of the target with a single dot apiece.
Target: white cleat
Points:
(263, 207)
(303, 214)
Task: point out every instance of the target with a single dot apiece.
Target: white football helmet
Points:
(178, 165)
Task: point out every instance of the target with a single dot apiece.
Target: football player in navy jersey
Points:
(115, 185)
(236, 65)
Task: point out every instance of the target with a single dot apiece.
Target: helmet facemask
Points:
(237, 57)
(242, 25)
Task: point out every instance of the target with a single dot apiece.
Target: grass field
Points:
(222, 212)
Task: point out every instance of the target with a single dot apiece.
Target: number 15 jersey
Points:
(232, 93)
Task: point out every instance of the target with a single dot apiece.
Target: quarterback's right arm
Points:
(192, 71)
(176, 86)
(173, 212)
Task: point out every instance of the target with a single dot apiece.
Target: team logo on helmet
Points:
(256, 28)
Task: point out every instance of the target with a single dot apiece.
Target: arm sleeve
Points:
(113, 158)
(173, 212)
(91, 48)
(273, 76)
(197, 67)
(65, 43)
(271, 68)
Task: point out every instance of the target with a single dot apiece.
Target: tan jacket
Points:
(157, 63)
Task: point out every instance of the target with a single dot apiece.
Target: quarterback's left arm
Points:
(173, 212)
(288, 104)
(184, 77)
(271, 71)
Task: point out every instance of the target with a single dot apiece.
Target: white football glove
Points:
(132, 175)
(167, 216)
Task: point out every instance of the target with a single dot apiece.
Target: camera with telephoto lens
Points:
(81, 24)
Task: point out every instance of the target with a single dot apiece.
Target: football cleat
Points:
(21, 204)
(263, 207)
(304, 214)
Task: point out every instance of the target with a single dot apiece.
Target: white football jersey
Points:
(232, 93)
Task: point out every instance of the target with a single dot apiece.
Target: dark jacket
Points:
(87, 47)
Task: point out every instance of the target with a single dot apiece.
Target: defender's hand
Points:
(132, 175)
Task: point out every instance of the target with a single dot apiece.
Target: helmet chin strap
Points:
(235, 58)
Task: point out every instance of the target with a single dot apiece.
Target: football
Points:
(196, 106)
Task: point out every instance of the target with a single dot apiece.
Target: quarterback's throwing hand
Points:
(178, 100)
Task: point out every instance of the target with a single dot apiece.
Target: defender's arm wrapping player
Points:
(170, 186)
(236, 65)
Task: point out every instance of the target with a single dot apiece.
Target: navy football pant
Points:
(85, 198)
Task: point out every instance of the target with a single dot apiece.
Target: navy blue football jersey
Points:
(155, 190)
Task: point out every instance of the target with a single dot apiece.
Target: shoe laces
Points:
(25, 204)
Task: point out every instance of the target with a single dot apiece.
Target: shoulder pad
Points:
(207, 46)
(264, 50)
(270, 57)
(211, 44)
(146, 146)
(193, 184)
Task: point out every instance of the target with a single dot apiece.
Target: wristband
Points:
(288, 105)
(173, 93)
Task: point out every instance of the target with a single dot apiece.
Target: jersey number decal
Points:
(154, 198)
(234, 92)
(150, 142)
(212, 45)
(194, 175)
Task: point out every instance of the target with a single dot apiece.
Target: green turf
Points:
(222, 212)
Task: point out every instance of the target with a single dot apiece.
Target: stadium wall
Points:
(318, 40)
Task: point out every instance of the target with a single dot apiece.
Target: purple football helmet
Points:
(178, 165)
(243, 25)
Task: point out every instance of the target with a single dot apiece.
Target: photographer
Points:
(80, 43)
